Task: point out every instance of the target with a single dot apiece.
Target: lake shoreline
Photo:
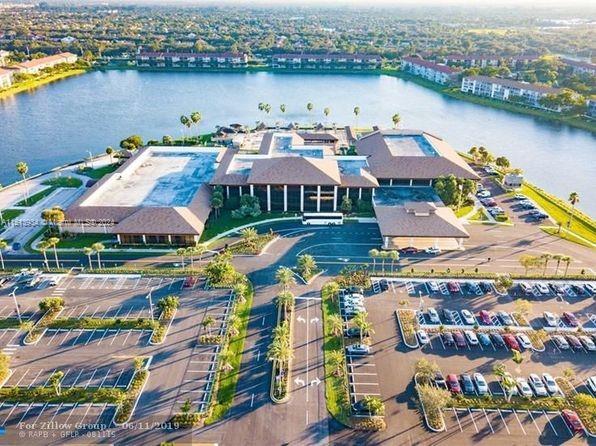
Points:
(33, 84)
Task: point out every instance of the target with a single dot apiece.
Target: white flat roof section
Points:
(409, 145)
(158, 178)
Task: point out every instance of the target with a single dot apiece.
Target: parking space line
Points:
(90, 379)
(34, 379)
(488, 421)
(77, 338)
(534, 422)
(550, 424)
(115, 336)
(25, 414)
(70, 412)
(104, 378)
(49, 377)
(119, 376)
(89, 338)
(77, 378)
(519, 422)
(52, 338)
(106, 312)
(457, 418)
(105, 332)
(126, 338)
(56, 412)
(40, 412)
(504, 422)
(565, 424)
(473, 420)
(9, 414)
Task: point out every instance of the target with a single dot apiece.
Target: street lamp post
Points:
(14, 297)
(151, 303)
(421, 302)
(90, 158)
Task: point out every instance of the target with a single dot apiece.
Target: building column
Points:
(430, 182)
(391, 182)
(144, 239)
(252, 190)
(285, 198)
(334, 198)
(318, 198)
(240, 191)
(411, 182)
(268, 198)
(301, 198)
(227, 191)
(360, 193)
(348, 192)
(386, 242)
(169, 239)
(118, 238)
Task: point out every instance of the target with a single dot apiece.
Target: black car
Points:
(579, 290)
(449, 316)
(448, 338)
(360, 407)
(352, 332)
(486, 287)
(467, 384)
(497, 339)
(355, 290)
(440, 380)
(384, 284)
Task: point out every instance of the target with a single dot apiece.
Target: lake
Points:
(60, 122)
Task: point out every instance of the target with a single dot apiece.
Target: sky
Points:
(369, 3)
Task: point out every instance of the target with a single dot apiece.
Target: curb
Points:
(42, 334)
(10, 372)
(141, 390)
(238, 228)
(167, 330)
(417, 345)
(444, 428)
(289, 379)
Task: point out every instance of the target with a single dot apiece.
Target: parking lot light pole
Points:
(90, 158)
(151, 303)
(14, 297)
(421, 301)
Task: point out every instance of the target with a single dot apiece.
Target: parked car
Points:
(526, 288)
(587, 343)
(590, 288)
(524, 341)
(572, 421)
(453, 287)
(557, 288)
(467, 384)
(483, 193)
(471, 337)
(434, 251)
(497, 339)
(489, 202)
(486, 287)
(360, 407)
(578, 289)
(551, 384)
(560, 342)
(448, 338)
(422, 337)
(356, 290)
(570, 319)
(574, 342)
(460, 340)
(524, 387)
(484, 339)
(543, 288)
(358, 349)
(537, 385)
(550, 319)
(190, 281)
(481, 385)
(453, 383)
(409, 250)
(352, 332)
(511, 341)
(485, 317)
(468, 317)
(433, 286)
(505, 318)
(440, 380)
(449, 315)
(433, 316)
(384, 284)
(520, 197)
(592, 383)
(496, 210)
(16, 246)
(527, 204)
(489, 170)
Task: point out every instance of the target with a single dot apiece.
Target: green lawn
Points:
(463, 211)
(33, 199)
(100, 172)
(10, 214)
(69, 395)
(553, 230)
(63, 182)
(79, 241)
(225, 222)
(102, 324)
(9, 322)
(228, 380)
(558, 209)
(479, 216)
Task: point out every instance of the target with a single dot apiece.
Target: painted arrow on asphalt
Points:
(300, 319)
(314, 320)
(299, 382)
(315, 382)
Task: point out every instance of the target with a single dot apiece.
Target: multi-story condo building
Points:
(5, 78)
(472, 60)
(36, 65)
(591, 111)
(438, 73)
(3, 57)
(326, 61)
(153, 59)
(580, 67)
(508, 90)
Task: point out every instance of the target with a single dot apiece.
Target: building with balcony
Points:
(154, 59)
(5, 78)
(579, 67)
(36, 65)
(330, 61)
(434, 72)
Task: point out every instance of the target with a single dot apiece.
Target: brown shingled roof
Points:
(295, 170)
(396, 221)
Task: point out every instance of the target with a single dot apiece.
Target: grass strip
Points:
(99, 172)
(9, 323)
(68, 395)
(63, 182)
(88, 323)
(33, 199)
(225, 222)
(38, 82)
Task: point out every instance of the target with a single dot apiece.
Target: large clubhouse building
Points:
(162, 195)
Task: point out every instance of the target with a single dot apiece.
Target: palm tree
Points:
(336, 325)
(225, 359)
(474, 152)
(196, 118)
(286, 300)
(250, 235)
(546, 257)
(394, 256)
(190, 252)
(240, 290)
(336, 361)
(43, 246)
(282, 108)
(374, 253)
(53, 241)
(3, 245)
(88, 252)
(383, 255)
(333, 289)
(396, 118)
(181, 252)
(356, 113)
(310, 106)
(233, 323)
(56, 381)
(326, 112)
(207, 323)
(185, 123)
(361, 322)
(558, 258)
(22, 169)
(285, 277)
(307, 265)
(200, 249)
(98, 248)
(567, 260)
(110, 151)
(374, 404)
(573, 199)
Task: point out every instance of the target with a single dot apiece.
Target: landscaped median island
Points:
(52, 307)
(252, 243)
(408, 323)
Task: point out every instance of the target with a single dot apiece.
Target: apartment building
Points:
(472, 60)
(579, 67)
(36, 65)
(153, 59)
(5, 78)
(438, 73)
(326, 61)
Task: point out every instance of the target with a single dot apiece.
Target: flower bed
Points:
(133, 392)
(408, 323)
(210, 339)
(88, 323)
(42, 324)
(254, 248)
(70, 395)
(162, 325)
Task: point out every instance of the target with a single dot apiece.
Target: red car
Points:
(572, 420)
(485, 317)
(190, 282)
(453, 287)
(453, 383)
(511, 342)
(460, 341)
(570, 319)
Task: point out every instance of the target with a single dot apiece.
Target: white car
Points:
(433, 251)
(422, 337)
(358, 349)
(353, 301)
(550, 319)
(551, 384)
(537, 385)
(587, 343)
(524, 387)
(434, 316)
(520, 197)
(481, 385)
(560, 342)
(434, 286)
(524, 341)
(484, 193)
(592, 383)
(543, 288)
(471, 337)
(468, 317)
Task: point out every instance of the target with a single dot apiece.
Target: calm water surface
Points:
(58, 123)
